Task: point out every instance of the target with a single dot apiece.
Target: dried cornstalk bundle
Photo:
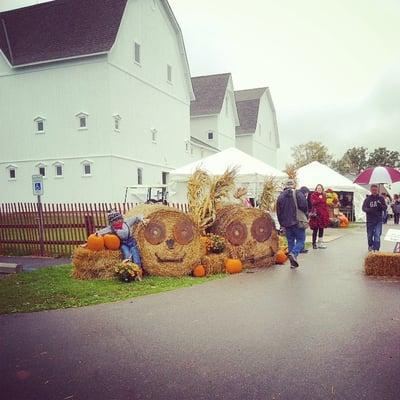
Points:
(88, 264)
(382, 264)
(214, 263)
(205, 194)
(268, 196)
(291, 172)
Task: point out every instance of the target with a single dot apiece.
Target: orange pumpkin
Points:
(233, 265)
(112, 242)
(95, 243)
(344, 222)
(280, 257)
(199, 271)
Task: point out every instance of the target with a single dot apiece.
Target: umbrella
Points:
(378, 175)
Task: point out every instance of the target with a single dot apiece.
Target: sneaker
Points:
(304, 251)
(314, 246)
(370, 248)
(293, 260)
(321, 245)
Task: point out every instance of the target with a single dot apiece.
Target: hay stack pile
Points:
(249, 233)
(382, 264)
(88, 264)
(170, 244)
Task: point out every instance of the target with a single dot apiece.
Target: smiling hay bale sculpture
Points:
(170, 243)
(249, 233)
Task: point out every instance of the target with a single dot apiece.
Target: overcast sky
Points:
(333, 67)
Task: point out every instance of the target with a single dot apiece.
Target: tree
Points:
(384, 157)
(353, 161)
(305, 153)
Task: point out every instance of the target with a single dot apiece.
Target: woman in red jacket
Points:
(319, 216)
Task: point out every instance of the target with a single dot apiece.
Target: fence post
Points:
(41, 225)
(89, 224)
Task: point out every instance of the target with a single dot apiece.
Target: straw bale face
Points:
(249, 233)
(170, 243)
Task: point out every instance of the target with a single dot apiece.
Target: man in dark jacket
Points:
(374, 206)
(286, 211)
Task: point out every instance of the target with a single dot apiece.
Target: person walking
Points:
(319, 216)
(396, 209)
(374, 206)
(291, 210)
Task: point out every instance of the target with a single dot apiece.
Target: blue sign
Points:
(37, 185)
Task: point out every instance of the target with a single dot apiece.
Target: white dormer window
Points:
(169, 73)
(41, 169)
(82, 120)
(12, 172)
(210, 135)
(87, 167)
(39, 124)
(137, 52)
(58, 169)
(154, 135)
(117, 122)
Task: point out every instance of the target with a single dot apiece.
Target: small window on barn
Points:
(12, 172)
(154, 135)
(140, 176)
(82, 120)
(87, 168)
(137, 52)
(117, 122)
(39, 124)
(59, 169)
(210, 135)
(169, 73)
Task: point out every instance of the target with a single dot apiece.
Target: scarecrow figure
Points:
(123, 229)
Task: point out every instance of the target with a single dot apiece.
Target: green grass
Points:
(54, 288)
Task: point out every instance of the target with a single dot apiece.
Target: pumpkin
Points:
(344, 222)
(95, 243)
(280, 257)
(233, 265)
(112, 242)
(199, 271)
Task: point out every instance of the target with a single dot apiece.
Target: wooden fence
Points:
(53, 229)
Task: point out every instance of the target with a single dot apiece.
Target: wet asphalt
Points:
(323, 331)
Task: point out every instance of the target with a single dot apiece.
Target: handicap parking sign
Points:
(37, 185)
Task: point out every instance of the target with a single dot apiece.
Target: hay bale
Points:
(214, 263)
(88, 264)
(382, 264)
(170, 244)
(249, 233)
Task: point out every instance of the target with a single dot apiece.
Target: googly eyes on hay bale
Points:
(236, 232)
(155, 232)
(261, 229)
(184, 232)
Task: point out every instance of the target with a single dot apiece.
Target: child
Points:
(122, 228)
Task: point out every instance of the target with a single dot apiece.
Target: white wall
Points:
(200, 126)
(227, 119)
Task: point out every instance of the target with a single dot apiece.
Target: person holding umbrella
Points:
(374, 206)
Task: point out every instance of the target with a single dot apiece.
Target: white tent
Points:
(314, 173)
(251, 171)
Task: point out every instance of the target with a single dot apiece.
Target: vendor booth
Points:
(351, 195)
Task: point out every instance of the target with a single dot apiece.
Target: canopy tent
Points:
(314, 173)
(251, 171)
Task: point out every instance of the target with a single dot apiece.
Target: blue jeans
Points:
(130, 251)
(296, 238)
(374, 232)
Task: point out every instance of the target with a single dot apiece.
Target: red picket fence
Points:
(53, 229)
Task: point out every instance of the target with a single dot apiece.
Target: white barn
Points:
(94, 95)
(257, 134)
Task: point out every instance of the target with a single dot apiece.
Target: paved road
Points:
(33, 263)
(324, 331)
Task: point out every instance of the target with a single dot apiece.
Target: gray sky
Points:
(333, 67)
